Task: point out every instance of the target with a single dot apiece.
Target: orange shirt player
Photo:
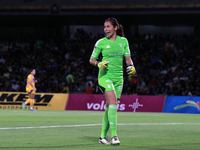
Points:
(30, 89)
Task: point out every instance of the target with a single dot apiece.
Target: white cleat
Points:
(104, 141)
(32, 110)
(115, 140)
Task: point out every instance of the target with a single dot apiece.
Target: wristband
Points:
(96, 63)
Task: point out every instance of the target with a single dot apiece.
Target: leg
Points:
(30, 92)
(28, 101)
(105, 122)
(25, 103)
(112, 116)
(109, 118)
(112, 111)
(105, 126)
(32, 97)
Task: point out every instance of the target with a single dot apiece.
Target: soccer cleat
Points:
(32, 110)
(23, 106)
(115, 140)
(104, 141)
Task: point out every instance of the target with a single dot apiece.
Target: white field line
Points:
(87, 125)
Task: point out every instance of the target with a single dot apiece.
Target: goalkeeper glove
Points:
(130, 70)
(102, 65)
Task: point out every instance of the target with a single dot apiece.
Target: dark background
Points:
(54, 14)
(53, 36)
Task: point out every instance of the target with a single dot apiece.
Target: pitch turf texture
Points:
(80, 130)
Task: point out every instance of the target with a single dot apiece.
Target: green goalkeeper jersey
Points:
(112, 51)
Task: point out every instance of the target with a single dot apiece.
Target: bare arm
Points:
(128, 61)
(130, 69)
(92, 61)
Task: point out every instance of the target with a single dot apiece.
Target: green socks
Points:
(112, 117)
(105, 124)
(109, 120)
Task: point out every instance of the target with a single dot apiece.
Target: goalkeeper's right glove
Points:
(102, 65)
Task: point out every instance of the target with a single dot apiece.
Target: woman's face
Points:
(33, 72)
(109, 29)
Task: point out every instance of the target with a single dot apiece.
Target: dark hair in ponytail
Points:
(114, 22)
(29, 71)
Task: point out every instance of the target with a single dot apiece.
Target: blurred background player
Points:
(30, 89)
(114, 47)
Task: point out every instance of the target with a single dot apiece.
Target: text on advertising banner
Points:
(182, 104)
(43, 101)
(128, 103)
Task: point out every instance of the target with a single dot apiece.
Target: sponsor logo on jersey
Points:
(112, 54)
(120, 54)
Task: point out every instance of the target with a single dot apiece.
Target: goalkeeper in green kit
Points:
(114, 47)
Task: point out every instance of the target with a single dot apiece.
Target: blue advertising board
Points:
(182, 104)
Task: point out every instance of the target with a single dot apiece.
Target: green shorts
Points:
(112, 84)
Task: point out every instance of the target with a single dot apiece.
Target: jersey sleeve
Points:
(97, 50)
(126, 48)
(30, 78)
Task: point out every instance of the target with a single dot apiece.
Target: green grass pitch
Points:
(80, 130)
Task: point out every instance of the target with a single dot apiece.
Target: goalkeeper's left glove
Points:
(130, 70)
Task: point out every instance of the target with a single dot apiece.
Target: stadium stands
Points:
(166, 64)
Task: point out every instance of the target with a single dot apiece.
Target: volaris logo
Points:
(188, 103)
(101, 106)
